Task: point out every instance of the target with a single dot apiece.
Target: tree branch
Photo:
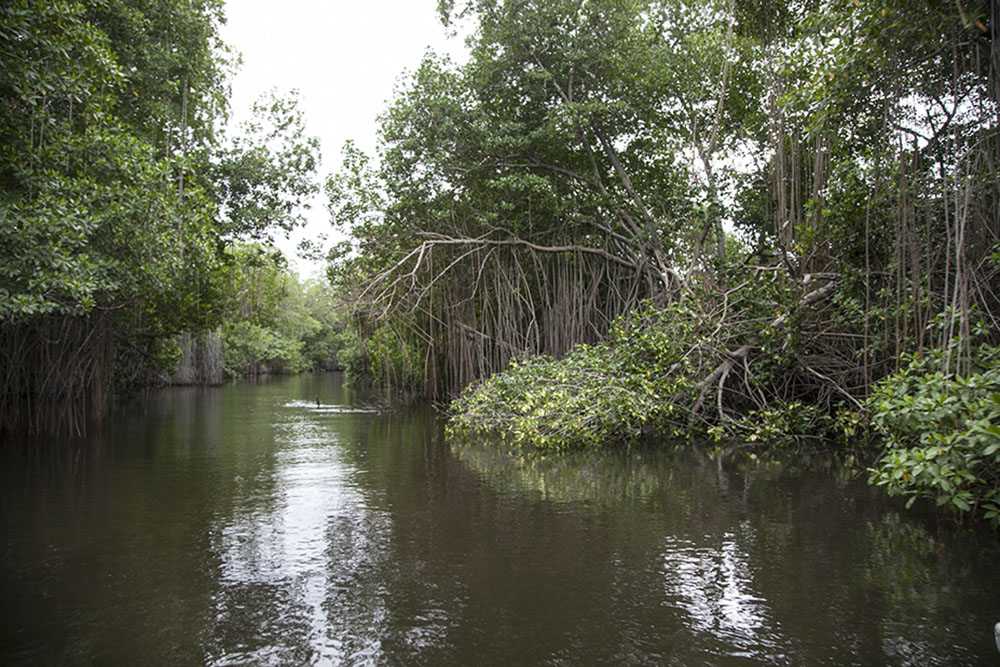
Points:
(742, 353)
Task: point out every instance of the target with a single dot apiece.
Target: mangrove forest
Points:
(734, 222)
(638, 332)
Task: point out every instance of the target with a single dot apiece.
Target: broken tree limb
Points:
(442, 240)
(718, 376)
(385, 283)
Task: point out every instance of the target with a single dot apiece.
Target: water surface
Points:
(249, 525)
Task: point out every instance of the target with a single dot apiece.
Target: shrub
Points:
(614, 392)
(941, 437)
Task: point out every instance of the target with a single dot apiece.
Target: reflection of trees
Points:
(779, 560)
(672, 479)
(698, 507)
(303, 534)
(916, 567)
(582, 476)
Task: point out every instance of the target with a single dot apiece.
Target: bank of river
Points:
(247, 525)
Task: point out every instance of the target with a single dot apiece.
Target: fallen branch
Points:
(718, 376)
(533, 246)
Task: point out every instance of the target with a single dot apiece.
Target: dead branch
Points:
(718, 376)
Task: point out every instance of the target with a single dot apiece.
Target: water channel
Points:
(249, 525)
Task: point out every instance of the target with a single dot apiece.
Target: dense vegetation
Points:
(751, 222)
(748, 221)
(273, 322)
(119, 196)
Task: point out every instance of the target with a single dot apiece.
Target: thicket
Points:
(739, 220)
(273, 322)
(941, 432)
(658, 375)
(119, 195)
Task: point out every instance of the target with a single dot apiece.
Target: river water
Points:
(247, 525)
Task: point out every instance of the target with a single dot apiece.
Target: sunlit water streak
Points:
(303, 552)
(713, 584)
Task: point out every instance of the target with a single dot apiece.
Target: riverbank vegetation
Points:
(747, 222)
(273, 322)
(121, 198)
(751, 222)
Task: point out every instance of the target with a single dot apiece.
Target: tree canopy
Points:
(118, 193)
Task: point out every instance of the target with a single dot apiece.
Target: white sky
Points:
(344, 56)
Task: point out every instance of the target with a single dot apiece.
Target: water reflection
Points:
(250, 526)
(714, 587)
(301, 554)
(779, 563)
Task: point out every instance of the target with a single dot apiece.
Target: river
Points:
(250, 525)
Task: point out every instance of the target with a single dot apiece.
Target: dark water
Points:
(244, 525)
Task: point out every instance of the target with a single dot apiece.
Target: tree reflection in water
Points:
(784, 561)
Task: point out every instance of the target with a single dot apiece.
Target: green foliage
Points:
(618, 391)
(249, 349)
(173, 64)
(351, 357)
(394, 359)
(564, 131)
(263, 180)
(255, 280)
(587, 156)
(92, 216)
(942, 433)
(274, 323)
(116, 200)
(779, 423)
(321, 325)
(659, 373)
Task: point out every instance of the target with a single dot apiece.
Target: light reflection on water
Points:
(305, 560)
(713, 586)
(252, 526)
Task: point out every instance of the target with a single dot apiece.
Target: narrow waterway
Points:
(250, 525)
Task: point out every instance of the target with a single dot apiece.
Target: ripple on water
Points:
(322, 408)
(713, 585)
(304, 566)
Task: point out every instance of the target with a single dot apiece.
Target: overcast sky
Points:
(344, 56)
